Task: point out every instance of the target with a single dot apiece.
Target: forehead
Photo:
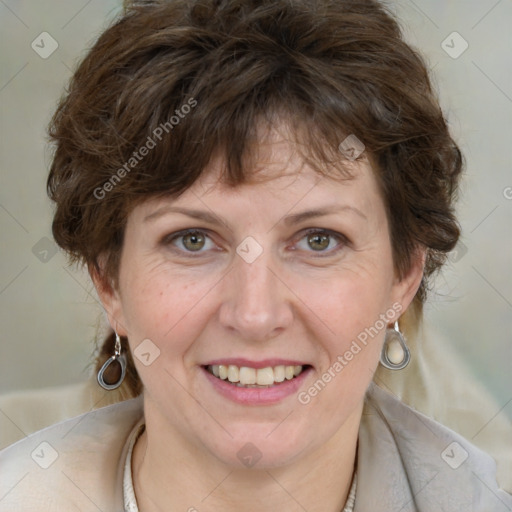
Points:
(279, 156)
(280, 172)
(280, 182)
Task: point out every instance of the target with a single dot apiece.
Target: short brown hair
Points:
(331, 68)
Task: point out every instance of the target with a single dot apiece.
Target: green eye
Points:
(318, 242)
(194, 241)
(189, 241)
(322, 241)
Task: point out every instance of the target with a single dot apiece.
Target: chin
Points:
(257, 450)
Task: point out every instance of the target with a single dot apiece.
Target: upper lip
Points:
(265, 363)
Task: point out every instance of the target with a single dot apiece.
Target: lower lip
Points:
(257, 396)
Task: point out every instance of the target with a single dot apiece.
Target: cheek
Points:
(354, 309)
(359, 305)
(349, 301)
(158, 306)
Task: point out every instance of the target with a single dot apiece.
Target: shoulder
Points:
(35, 409)
(426, 465)
(52, 468)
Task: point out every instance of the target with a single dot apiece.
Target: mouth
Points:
(249, 377)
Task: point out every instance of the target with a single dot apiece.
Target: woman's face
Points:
(293, 271)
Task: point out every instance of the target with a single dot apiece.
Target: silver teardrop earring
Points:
(395, 354)
(118, 358)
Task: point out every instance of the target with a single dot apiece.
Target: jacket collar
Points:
(408, 462)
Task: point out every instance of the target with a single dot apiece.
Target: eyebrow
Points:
(196, 214)
(321, 212)
(288, 220)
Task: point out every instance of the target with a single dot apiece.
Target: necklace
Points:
(130, 503)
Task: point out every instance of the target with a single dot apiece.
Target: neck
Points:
(196, 482)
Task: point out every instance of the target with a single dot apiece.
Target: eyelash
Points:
(343, 241)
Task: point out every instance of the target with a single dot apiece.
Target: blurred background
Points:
(49, 314)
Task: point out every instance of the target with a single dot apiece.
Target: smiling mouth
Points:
(246, 377)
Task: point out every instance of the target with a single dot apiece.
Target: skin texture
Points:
(292, 302)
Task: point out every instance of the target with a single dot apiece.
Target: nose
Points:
(257, 305)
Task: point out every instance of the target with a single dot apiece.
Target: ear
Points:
(109, 296)
(405, 288)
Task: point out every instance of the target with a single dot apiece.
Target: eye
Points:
(314, 240)
(191, 240)
(321, 240)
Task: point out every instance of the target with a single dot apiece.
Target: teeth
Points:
(247, 375)
(264, 377)
(252, 377)
(233, 373)
(279, 373)
(223, 371)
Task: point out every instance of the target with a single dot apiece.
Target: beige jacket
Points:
(406, 462)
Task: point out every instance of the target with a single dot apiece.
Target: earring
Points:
(117, 371)
(395, 355)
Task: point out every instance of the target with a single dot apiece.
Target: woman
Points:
(261, 191)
